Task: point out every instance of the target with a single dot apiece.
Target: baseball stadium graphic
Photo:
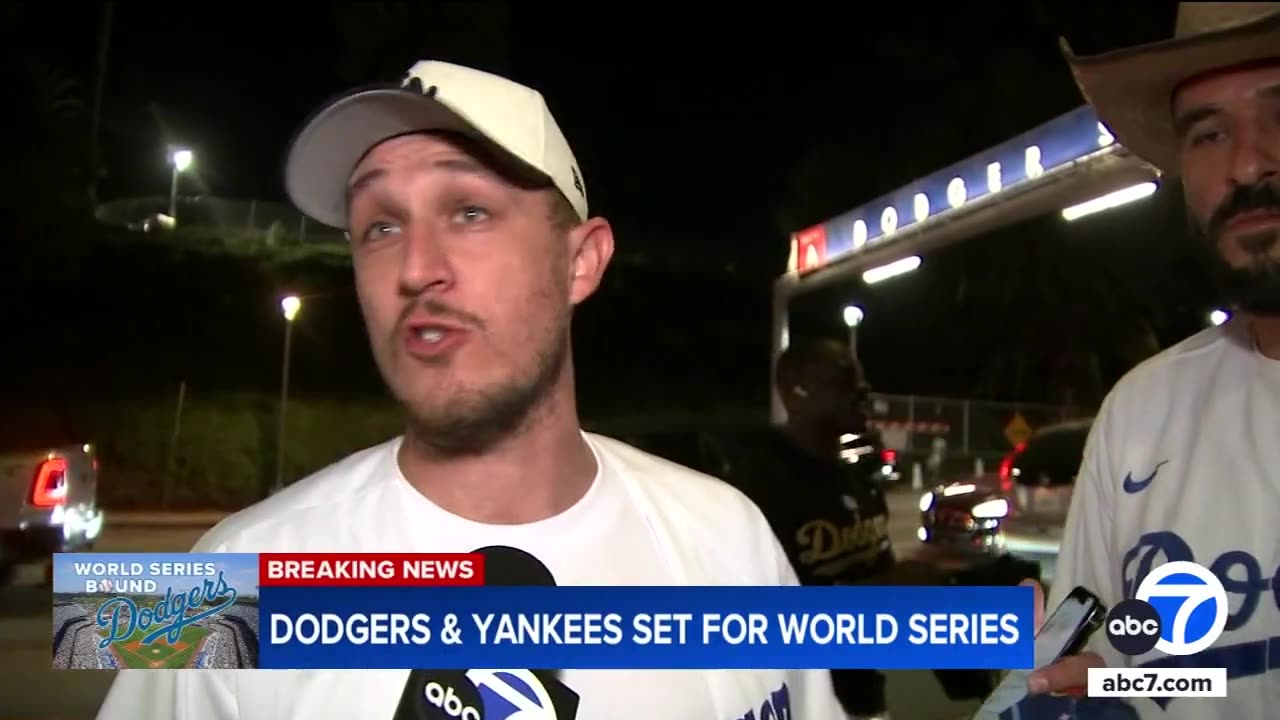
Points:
(155, 611)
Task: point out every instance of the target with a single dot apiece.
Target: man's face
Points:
(1229, 126)
(836, 390)
(466, 285)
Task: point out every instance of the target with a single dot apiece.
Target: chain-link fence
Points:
(269, 223)
(959, 434)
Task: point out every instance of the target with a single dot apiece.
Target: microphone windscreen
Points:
(455, 695)
(508, 566)
(439, 695)
(505, 565)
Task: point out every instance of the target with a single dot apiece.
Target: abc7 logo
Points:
(489, 694)
(1155, 619)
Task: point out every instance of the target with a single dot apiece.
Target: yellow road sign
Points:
(1018, 430)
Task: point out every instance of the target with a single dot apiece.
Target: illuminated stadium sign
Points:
(1024, 158)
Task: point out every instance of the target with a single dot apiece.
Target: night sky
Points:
(690, 125)
(703, 135)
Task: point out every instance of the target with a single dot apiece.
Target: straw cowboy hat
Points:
(1132, 89)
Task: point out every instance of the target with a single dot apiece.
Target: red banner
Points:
(811, 248)
(369, 569)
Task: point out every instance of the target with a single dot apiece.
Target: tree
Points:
(51, 159)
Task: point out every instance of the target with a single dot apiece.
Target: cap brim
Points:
(328, 147)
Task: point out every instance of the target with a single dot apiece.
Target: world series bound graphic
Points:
(339, 611)
(155, 611)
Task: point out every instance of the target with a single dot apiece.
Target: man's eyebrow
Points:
(1185, 120)
(452, 164)
(362, 181)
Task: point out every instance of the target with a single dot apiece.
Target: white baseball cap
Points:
(433, 95)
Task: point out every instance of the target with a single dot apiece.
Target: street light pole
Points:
(180, 160)
(852, 319)
(290, 307)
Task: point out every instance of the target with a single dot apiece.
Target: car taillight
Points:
(49, 488)
(1006, 467)
(889, 456)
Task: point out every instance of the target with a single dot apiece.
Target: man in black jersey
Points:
(830, 516)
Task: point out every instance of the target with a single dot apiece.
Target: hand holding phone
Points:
(1064, 633)
(1068, 674)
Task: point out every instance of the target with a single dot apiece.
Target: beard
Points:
(475, 420)
(1254, 287)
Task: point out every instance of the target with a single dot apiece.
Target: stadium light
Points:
(1109, 201)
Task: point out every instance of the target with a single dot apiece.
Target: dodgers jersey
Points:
(1183, 463)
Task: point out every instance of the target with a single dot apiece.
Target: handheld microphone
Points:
(492, 694)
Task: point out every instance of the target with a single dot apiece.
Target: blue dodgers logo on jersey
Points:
(1248, 588)
(775, 707)
(1191, 603)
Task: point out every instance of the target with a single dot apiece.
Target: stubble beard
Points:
(1255, 287)
(474, 421)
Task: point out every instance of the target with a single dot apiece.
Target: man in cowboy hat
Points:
(1182, 461)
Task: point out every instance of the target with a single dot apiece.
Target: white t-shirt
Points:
(1183, 463)
(633, 527)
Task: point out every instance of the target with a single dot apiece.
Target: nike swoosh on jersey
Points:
(1132, 486)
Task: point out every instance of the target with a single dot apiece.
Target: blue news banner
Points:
(647, 627)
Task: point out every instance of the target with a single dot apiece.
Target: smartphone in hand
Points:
(1064, 633)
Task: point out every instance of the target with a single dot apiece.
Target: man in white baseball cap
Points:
(509, 118)
(472, 244)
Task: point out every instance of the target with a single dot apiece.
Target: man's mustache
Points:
(1245, 198)
(441, 311)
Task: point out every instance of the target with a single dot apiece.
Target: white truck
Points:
(48, 504)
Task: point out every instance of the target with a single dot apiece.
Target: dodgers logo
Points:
(1191, 603)
(170, 614)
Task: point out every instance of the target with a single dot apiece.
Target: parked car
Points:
(48, 504)
(1021, 509)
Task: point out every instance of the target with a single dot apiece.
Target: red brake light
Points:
(1006, 467)
(889, 456)
(49, 488)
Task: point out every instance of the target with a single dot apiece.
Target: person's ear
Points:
(591, 249)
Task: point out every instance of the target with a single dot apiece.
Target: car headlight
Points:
(996, 508)
(926, 502)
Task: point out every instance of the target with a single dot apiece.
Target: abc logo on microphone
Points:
(1180, 609)
(453, 701)
(486, 695)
